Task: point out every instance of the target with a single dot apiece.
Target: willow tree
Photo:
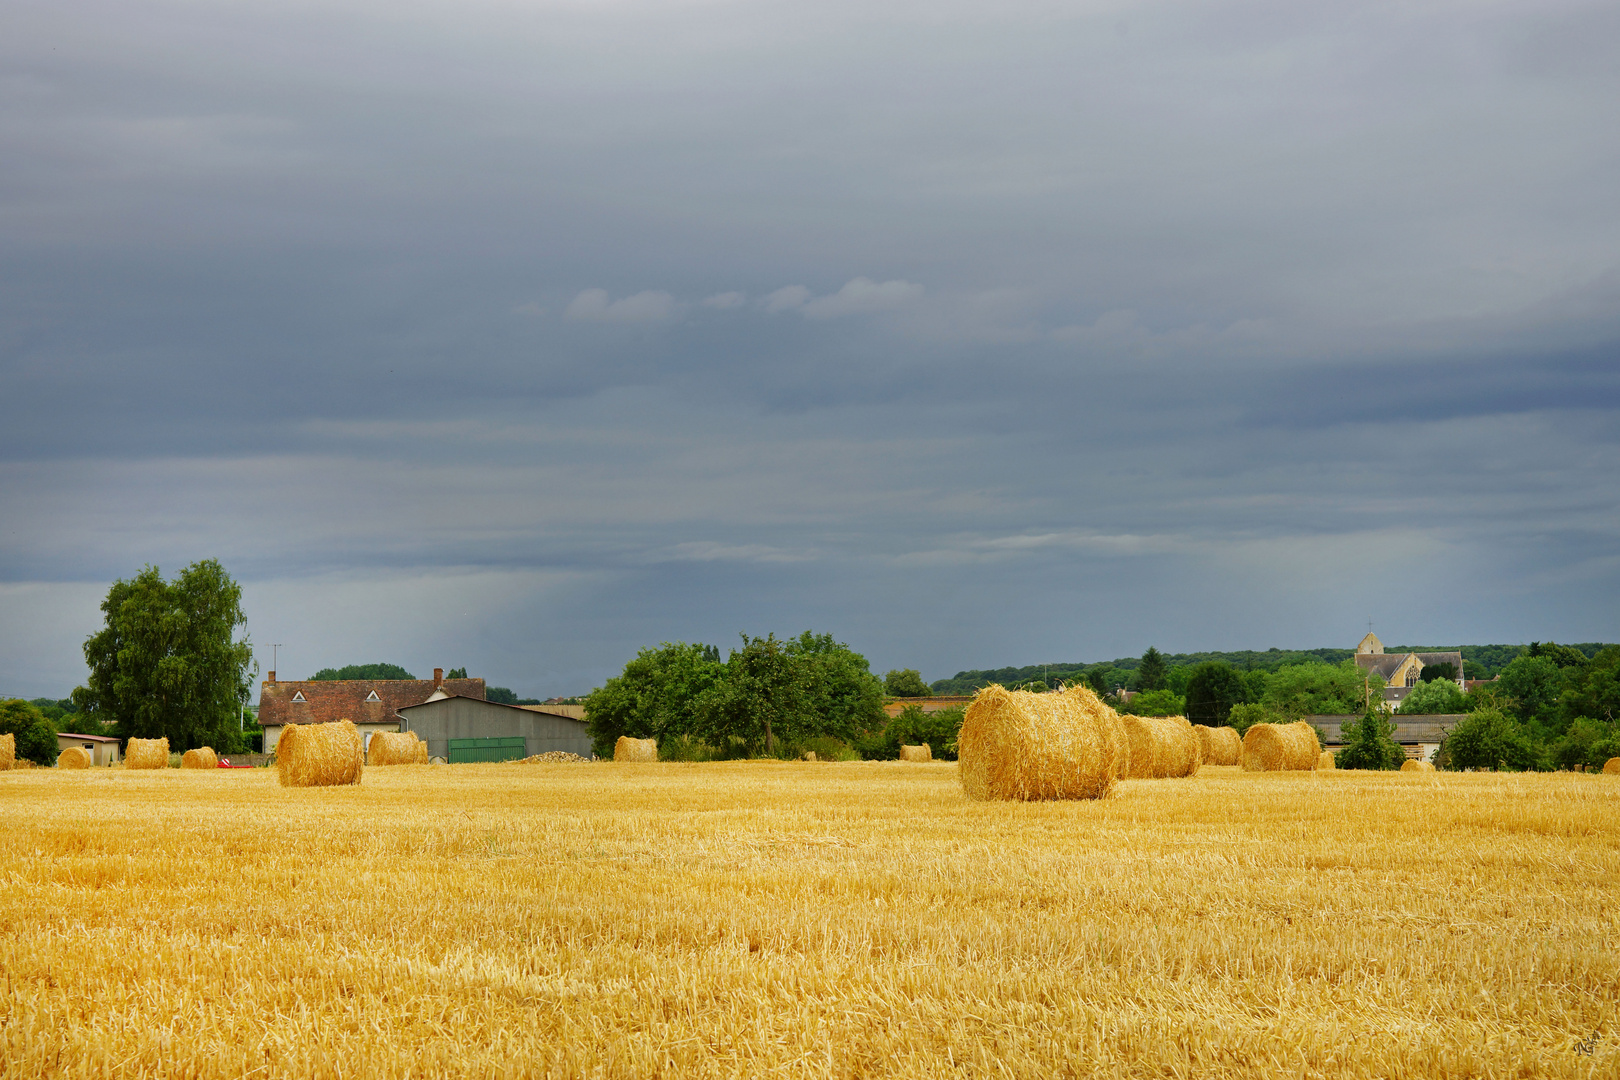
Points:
(168, 662)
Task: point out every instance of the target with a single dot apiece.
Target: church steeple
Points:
(1370, 645)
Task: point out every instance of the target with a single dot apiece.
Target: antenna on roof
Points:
(273, 649)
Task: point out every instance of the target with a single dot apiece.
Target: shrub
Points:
(1155, 703)
(1489, 739)
(1439, 696)
(912, 726)
(1244, 717)
(36, 739)
(1587, 742)
(1370, 744)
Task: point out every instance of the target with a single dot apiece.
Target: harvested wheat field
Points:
(805, 920)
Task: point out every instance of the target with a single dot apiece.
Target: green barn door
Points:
(506, 749)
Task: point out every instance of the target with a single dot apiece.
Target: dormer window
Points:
(373, 696)
(298, 696)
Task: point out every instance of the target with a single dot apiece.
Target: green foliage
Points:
(826, 748)
(505, 696)
(1473, 669)
(1594, 689)
(1152, 673)
(1586, 742)
(844, 696)
(36, 738)
(1490, 739)
(1155, 703)
(766, 695)
(1430, 672)
(1244, 717)
(367, 672)
(1430, 698)
(654, 698)
(684, 748)
(1212, 690)
(1099, 680)
(1307, 689)
(167, 663)
(1370, 744)
(1562, 655)
(905, 682)
(913, 727)
(1532, 685)
(456, 673)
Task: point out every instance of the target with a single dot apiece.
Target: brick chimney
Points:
(438, 677)
(272, 679)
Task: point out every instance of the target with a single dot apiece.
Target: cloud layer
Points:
(522, 337)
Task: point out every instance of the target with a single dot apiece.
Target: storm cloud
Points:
(519, 336)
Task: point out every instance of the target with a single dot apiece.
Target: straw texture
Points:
(1281, 747)
(8, 751)
(1019, 745)
(1220, 746)
(628, 749)
(1324, 761)
(147, 754)
(396, 748)
(320, 755)
(203, 757)
(1161, 746)
(916, 753)
(1612, 766)
(1413, 765)
(74, 757)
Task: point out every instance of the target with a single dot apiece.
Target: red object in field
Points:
(225, 763)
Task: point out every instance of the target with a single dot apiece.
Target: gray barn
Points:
(453, 723)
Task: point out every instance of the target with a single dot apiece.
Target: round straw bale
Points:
(1612, 766)
(1018, 745)
(809, 755)
(74, 757)
(394, 748)
(1324, 762)
(8, 751)
(1142, 741)
(1414, 765)
(147, 754)
(320, 755)
(421, 757)
(628, 749)
(201, 758)
(1161, 746)
(1281, 748)
(916, 753)
(1220, 746)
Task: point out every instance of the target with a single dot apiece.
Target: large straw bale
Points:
(147, 754)
(916, 753)
(74, 757)
(203, 757)
(396, 748)
(8, 751)
(1612, 766)
(1414, 765)
(1281, 748)
(1220, 746)
(628, 749)
(1161, 746)
(1019, 745)
(1325, 762)
(320, 755)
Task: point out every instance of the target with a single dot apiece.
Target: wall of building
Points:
(437, 722)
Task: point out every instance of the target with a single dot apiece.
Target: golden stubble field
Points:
(762, 919)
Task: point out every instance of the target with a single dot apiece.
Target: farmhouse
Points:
(1402, 671)
(102, 749)
(472, 729)
(371, 704)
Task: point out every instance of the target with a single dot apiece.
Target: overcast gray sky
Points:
(522, 335)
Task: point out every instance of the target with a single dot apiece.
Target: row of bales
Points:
(1071, 745)
(629, 749)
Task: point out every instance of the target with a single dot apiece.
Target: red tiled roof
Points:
(325, 701)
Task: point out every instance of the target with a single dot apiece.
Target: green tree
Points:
(1101, 681)
(368, 672)
(1212, 691)
(1152, 673)
(1430, 698)
(655, 697)
(35, 738)
(764, 697)
(844, 695)
(905, 682)
(168, 663)
(1369, 743)
(1309, 689)
(456, 673)
(1593, 690)
(1155, 703)
(1244, 717)
(1490, 739)
(1564, 656)
(1586, 742)
(1431, 672)
(913, 726)
(1532, 685)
